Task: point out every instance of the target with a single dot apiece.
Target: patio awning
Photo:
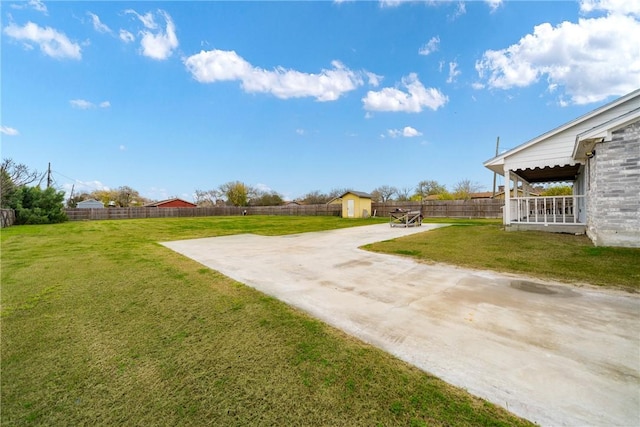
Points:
(548, 174)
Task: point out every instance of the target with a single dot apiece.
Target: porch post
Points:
(506, 215)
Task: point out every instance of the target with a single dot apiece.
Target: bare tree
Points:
(126, 196)
(208, 197)
(463, 189)
(13, 176)
(384, 193)
(337, 192)
(404, 194)
(315, 198)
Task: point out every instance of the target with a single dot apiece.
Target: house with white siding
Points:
(599, 154)
(90, 204)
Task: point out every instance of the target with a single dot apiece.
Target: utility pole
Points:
(494, 174)
(49, 176)
(71, 196)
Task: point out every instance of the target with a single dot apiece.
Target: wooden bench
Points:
(401, 218)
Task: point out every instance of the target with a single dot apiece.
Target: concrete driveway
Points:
(552, 353)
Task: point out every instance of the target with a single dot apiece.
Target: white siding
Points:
(557, 149)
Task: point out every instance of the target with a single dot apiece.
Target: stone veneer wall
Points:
(613, 206)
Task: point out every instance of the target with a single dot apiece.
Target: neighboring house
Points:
(90, 204)
(521, 192)
(599, 154)
(481, 195)
(171, 203)
(355, 204)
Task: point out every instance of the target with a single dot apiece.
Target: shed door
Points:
(351, 208)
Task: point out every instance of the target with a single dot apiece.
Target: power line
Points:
(77, 181)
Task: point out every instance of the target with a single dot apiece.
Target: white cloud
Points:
(220, 65)
(374, 79)
(79, 187)
(83, 104)
(461, 9)
(6, 130)
(409, 132)
(624, 7)
(391, 3)
(430, 47)
(33, 4)
(592, 59)
(406, 132)
(414, 100)
(52, 43)
(126, 36)
(122, 148)
(300, 131)
(156, 43)
(453, 72)
(97, 24)
(264, 188)
(155, 193)
(147, 19)
(494, 4)
(38, 5)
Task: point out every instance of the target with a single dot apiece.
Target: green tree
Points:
(237, 193)
(557, 190)
(124, 197)
(36, 206)
(267, 199)
(429, 188)
(446, 196)
(105, 196)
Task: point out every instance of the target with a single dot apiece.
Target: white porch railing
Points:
(546, 210)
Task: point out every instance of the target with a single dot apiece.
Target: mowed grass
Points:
(101, 325)
(483, 244)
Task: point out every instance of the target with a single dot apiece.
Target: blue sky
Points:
(173, 97)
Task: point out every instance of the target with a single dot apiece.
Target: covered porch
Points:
(597, 154)
(524, 210)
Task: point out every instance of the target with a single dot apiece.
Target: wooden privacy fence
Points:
(7, 217)
(132, 213)
(477, 208)
(474, 208)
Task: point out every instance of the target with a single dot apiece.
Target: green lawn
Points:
(483, 244)
(101, 325)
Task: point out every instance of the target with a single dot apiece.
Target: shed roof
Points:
(361, 194)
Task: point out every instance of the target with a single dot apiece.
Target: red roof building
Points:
(171, 203)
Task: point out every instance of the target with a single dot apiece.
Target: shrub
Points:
(36, 206)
